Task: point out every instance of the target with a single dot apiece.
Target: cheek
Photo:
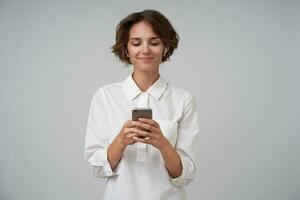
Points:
(159, 50)
(133, 51)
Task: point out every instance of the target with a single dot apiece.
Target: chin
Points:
(146, 68)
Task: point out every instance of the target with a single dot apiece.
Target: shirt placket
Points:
(142, 148)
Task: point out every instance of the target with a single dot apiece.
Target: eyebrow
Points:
(137, 38)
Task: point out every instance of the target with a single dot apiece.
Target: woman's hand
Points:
(116, 149)
(125, 137)
(149, 132)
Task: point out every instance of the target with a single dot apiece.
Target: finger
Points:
(131, 135)
(130, 123)
(149, 121)
(144, 126)
(142, 140)
(143, 133)
(130, 130)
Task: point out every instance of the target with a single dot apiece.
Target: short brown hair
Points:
(160, 25)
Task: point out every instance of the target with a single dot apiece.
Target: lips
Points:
(146, 58)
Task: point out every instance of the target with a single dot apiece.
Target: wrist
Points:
(119, 144)
(166, 147)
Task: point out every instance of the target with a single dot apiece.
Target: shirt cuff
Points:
(102, 168)
(184, 178)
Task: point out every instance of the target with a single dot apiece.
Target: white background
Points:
(240, 59)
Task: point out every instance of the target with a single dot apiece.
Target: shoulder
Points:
(106, 92)
(108, 89)
(180, 93)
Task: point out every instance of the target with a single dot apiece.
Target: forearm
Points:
(114, 153)
(172, 160)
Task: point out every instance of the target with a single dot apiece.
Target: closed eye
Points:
(154, 44)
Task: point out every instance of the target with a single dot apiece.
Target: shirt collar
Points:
(131, 89)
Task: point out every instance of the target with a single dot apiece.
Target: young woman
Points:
(149, 158)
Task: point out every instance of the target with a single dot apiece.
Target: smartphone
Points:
(141, 113)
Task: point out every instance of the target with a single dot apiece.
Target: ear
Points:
(165, 51)
(126, 52)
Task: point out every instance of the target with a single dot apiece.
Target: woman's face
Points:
(144, 47)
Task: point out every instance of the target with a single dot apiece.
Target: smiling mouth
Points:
(146, 58)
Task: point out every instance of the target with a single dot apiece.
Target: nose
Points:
(146, 49)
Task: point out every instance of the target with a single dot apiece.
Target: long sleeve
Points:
(187, 143)
(96, 140)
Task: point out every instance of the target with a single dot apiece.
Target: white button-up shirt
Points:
(141, 172)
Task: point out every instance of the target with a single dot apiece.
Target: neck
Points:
(144, 80)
